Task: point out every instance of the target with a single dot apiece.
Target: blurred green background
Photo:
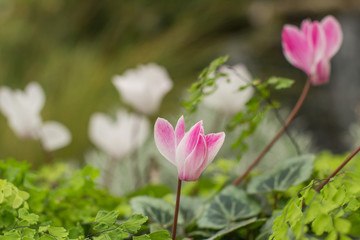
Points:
(73, 48)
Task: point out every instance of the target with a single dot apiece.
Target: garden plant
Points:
(152, 181)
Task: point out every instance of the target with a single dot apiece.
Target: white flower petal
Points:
(54, 135)
(227, 98)
(144, 87)
(35, 96)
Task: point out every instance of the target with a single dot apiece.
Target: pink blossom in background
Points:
(190, 152)
(311, 47)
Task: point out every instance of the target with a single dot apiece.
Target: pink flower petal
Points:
(296, 48)
(306, 26)
(179, 130)
(333, 35)
(187, 144)
(322, 73)
(318, 43)
(195, 163)
(214, 141)
(165, 139)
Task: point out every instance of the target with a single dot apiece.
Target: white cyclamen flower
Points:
(22, 109)
(227, 98)
(144, 87)
(118, 137)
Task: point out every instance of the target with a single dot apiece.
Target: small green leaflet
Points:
(228, 206)
(159, 235)
(31, 218)
(285, 174)
(280, 83)
(134, 224)
(105, 219)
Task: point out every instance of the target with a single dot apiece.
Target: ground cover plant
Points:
(126, 189)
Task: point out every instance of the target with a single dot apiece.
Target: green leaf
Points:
(266, 229)
(142, 237)
(228, 206)
(24, 195)
(17, 201)
(47, 237)
(7, 189)
(43, 228)
(58, 232)
(134, 224)
(117, 233)
(158, 210)
(285, 174)
(28, 234)
(11, 235)
(31, 218)
(105, 219)
(231, 228)
(280, 83)
(322, 223)
(160, 235)
(342, 225)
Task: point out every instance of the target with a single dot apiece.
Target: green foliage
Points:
(324, 214)
(284, 175)
(256, 108)
(32, 209)
(71, 209)
(159, 235)
(206, 81)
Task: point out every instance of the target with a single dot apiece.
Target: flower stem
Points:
(173, 235)
(338, 169)
(47, 154)
(110, 172)
(278, 135)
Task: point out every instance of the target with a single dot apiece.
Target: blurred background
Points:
(73, 48)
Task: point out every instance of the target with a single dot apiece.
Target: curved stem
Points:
(173, 235)
(278, 135)
(338, 169)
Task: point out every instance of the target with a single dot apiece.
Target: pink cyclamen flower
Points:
(190, 152)
(311, 47)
